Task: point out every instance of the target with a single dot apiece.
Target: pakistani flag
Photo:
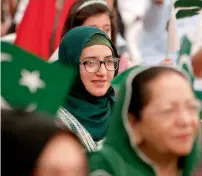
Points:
(184, 60)
(187, 8)
(181, 9)
(185, 65)
(28, 82)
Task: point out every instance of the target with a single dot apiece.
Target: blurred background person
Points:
(12, 12)
(145, 23)
(8, 10)
(97, 14)
(35, 144)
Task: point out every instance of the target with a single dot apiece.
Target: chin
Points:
(183, 150)
(99, 93)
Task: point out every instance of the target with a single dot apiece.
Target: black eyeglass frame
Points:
(100, 63)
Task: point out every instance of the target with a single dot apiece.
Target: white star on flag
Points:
(31, 80)
(6, 57)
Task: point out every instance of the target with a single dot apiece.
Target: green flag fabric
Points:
(184, 60)
(188, 8)
(185, 65)
(117, 81)
(30, 83)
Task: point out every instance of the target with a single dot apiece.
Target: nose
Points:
(185, 118)
(102, 70)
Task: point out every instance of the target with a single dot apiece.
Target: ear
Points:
(135, 129)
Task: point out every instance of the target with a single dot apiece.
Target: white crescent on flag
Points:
(4, 104)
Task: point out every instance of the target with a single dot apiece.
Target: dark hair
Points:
(24, 135)
(140, 89)
(119, 20)
(77, 18)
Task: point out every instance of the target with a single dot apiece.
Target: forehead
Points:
(96, 51)
(170, 87)
(98, 20)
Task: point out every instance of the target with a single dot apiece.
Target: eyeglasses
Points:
(93, 66)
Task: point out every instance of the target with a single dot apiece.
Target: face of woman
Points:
(100, 21)
(169, 121)
(63, 155)
(96, 78)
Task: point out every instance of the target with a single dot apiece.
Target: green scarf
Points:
(92, 112)
(119, 155)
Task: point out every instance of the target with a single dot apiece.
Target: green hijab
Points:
(119, 155)
(92, 112)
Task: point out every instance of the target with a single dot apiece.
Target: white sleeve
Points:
(131, 9)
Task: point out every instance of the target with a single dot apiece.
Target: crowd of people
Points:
(101, 87)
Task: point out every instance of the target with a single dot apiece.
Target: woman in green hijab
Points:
(153, 131)
(89, 105)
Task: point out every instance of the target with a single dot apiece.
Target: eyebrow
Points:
(107, 25)
(89, 57)
(95, 57)
(108, 57)
(176, 103)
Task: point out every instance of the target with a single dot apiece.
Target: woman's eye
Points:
(110, 61)
(107, 31)
(193, 108)
(90, 62)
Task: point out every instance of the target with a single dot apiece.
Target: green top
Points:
(92, 112)
(119, 156)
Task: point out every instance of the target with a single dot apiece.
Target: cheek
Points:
(196, 125)
(195, 122)
(157, 138)
(155, 130)
(110, 75)
(85, 76)
(109, 34)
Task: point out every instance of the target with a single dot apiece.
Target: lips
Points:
(184, 136)
(99, 81)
